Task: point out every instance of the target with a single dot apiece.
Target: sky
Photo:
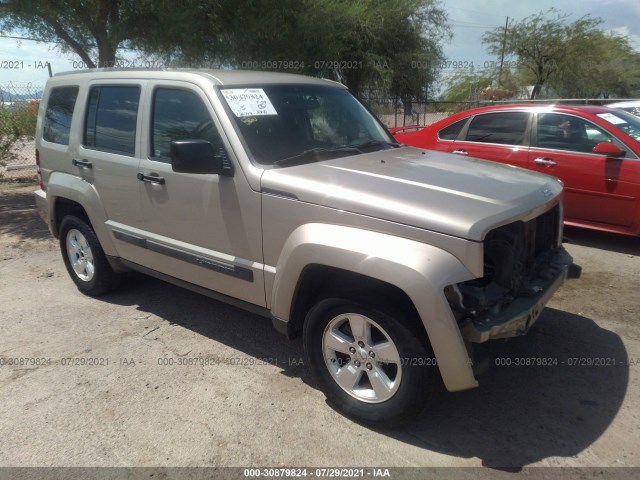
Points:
(23, 62)
(469, 20)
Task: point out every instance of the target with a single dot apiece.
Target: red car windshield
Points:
(624, 121)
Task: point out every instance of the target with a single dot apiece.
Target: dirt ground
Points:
(153, 375)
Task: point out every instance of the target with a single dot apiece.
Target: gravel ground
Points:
(153, 375)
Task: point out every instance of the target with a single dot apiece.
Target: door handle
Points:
(81, 163)
(460, 152)
(547, 162)
(151, 179)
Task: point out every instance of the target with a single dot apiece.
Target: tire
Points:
(352, 375)
(84, 258)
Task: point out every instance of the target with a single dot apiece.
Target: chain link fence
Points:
(398, 113)
(19, 104)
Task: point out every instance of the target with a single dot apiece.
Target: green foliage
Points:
(466, 85)
(395, 44)
(93, 29)
(539, 42)
(598, 64)
(15, 125)
(376, 47)
(182, 32)
(575, 59)
(469, 85)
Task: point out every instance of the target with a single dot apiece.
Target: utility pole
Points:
(504, 44)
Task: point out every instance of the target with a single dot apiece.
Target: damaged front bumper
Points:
(519, 315)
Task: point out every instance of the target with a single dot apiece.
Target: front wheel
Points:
(84, 258)
(369, 364)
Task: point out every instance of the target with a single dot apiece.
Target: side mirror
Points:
(608, 149)
(195, 156)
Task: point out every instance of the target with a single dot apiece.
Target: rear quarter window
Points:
(451, 132)
(58, 115)
(504, 127)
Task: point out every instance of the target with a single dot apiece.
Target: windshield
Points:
(624, 121)
(289, 124)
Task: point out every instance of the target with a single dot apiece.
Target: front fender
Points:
(70, 187)
(422, 271)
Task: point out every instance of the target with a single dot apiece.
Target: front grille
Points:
(520, 249)
(515, 255)
(547, 230)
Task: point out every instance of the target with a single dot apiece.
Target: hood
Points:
(447, 193)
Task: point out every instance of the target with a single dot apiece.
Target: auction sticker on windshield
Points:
(611, 118)
(248, 102)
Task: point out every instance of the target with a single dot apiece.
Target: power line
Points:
(476, 26)
(478, 12)
(30, 39)
(40, 40)
(471, 23)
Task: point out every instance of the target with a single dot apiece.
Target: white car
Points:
(632, 106)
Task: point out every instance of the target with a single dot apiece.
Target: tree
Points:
(187, 32)
(96, 30)
(598, 64)
(394, 45)
(466, 86)
(371, 46)
(379, 46)
(82, 26)
(16, 125)
(540, 43)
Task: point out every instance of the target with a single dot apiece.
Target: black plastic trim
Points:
(133, 239)
(221, 267)
(250, 307)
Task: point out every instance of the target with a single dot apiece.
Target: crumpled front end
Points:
(524, 264)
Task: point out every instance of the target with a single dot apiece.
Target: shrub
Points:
(15, 125)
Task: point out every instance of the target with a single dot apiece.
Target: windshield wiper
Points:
(348, 149)
(312, 152)
(375, 143)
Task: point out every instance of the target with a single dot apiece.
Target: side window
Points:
(57, 118)
(451, 132)
(180, 115)
(504, 127)
(112, 113)
(565, 132)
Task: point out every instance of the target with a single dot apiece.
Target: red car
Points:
(594, 150)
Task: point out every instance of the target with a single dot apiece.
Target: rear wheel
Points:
(84, 258)
(370, 365)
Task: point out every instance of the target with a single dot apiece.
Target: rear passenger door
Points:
(202, 228)
(109, 150)
(497, 136)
